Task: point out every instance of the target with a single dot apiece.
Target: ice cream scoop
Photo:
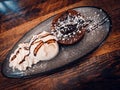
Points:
(43, 47)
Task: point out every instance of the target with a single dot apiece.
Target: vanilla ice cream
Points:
(41, 47)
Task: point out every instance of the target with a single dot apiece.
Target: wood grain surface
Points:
(99, 70)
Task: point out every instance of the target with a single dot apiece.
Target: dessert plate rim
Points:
(64, 66)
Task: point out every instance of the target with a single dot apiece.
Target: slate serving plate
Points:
(67, 54)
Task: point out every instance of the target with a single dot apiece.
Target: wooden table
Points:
(98, 70)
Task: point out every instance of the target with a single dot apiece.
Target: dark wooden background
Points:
(99, 70)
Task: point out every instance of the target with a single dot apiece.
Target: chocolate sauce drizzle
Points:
(28, 53)
(23, 59)
(38, 47)
(50, 41)
(15, 55)
(40, 44)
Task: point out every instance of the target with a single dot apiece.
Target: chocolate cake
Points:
(68, 27)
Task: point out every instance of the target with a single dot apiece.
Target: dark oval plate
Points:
(67, 54)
